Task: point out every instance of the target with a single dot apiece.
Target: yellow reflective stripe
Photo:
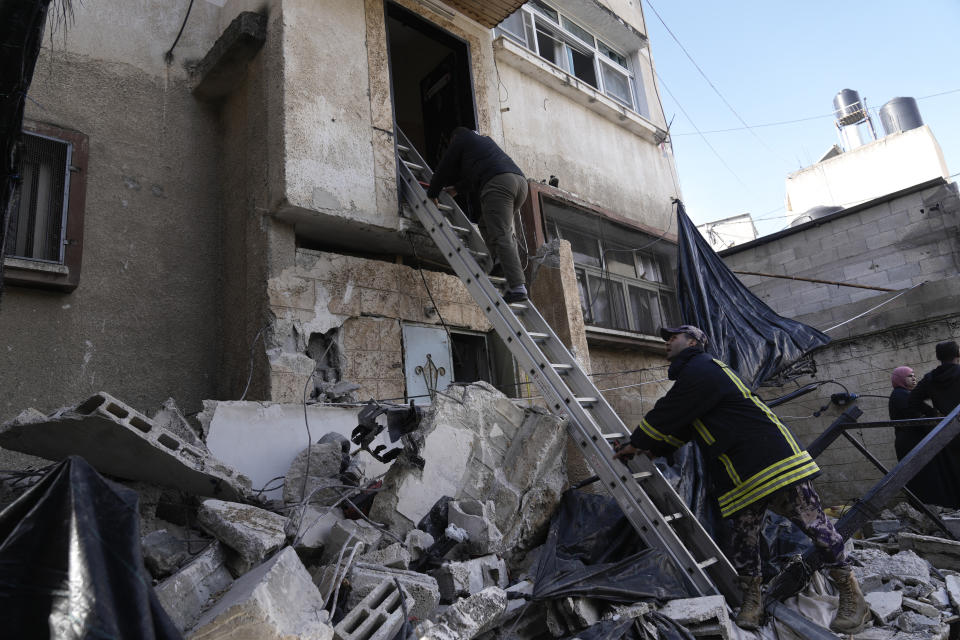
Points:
(757, 401)
(764, 475)
(648, 429)
(761, 492)
(728, 464)
(702, 430)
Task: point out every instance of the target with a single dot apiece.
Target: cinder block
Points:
(478, 519)
(460, 579)
(378, 616)
(364, 578)
(185, 594)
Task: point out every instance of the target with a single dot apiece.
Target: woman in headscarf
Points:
(927, 484)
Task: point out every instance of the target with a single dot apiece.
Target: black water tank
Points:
(847, 107)
(900, 114)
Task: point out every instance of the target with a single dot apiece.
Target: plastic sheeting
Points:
(71, 565)
(592, 550)
(744, 332)
(629, 629)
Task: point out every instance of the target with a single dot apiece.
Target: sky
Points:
(775, 62)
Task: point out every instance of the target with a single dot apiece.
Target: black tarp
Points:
(744, 332)
(71, 565)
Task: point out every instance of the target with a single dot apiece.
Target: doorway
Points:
(431, 81)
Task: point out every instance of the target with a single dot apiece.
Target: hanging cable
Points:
(168, 56)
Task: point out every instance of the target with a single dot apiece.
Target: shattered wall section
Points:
(359, 304)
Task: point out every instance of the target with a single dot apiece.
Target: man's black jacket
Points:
(750, 452)
(941, 386)
(470, 161)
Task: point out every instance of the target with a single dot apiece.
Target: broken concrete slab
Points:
(275, 601)
(912, 622)
(905, 565)
(120, 441)
(324, 464)
(312, 526)
(476, 444)
(252, 532)
(953, 589)
(394, 556)
(364, 578)
(875, 528)
(468, 617)
(707, 611)
(885, 605)
(261, 439)
(461, 579)
(579, 613)
(379, 616)
(417, 543)
(940, 552)
(923, 608)
(185, 594)
(478, 519)
(163, 553)
(169, 417)
(349, 534)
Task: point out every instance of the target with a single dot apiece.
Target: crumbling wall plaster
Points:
(365, 301)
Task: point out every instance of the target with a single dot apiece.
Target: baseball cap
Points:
(694, 332)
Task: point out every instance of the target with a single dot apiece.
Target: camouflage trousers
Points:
(800, 504)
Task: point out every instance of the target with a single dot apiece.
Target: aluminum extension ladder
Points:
(655, 510)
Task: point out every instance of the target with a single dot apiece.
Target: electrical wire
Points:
(874, 308)
(250, 375)
(168, 56)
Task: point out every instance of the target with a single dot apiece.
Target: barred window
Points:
(38, 224)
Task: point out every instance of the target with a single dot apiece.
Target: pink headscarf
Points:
(899, 377)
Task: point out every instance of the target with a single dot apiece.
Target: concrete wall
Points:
(142, 325)
(892, 163)
(362, 302)
(894, 244)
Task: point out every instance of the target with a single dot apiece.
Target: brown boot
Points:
(751, 610)
(853, 614)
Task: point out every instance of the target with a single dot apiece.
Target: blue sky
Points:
(775, 62)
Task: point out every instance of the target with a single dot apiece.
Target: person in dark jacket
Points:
(939, 482)
(475, 165)
(926, 485)
(755, 464)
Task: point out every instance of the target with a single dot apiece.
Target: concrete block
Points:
(325, 461)
(315, 526)
(379, 616)
(579, 613)
(905, 565)
(478, 519)
(885, 605)
(261, 439)
(252, 532)
(912, 622)
(469, 617)
(394, 556)
(881, 527)
(922, 608)
(170, 418)
(185, 594)
(163, 552)
(460, 579)
(417, 542)
(120, 441)
(940, 552)
(870, 582)
(364, 578)
(274, 601)
(707, 611)
(349, 534)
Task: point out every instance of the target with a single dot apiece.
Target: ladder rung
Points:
(517, 306)
(613, 436)
(706, 563)
(587, 400)
(538, 337)
(497, 279)
(640, 475)
(403, 148)
(413, 165)
(461, 230)
(444, 207)
(675, 516)
(561, 368)
(478, 254)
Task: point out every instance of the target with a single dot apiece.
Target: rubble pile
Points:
(445, 545)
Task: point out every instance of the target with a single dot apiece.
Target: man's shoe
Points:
(515, 296)
(751, 610)
(853, 614)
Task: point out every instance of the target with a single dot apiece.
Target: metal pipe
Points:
(816, 280)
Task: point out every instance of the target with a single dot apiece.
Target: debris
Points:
(461, 579)
(186, 594)
(885, 605)
(922, 608)
(394, 556)
(364, 578)
(346, 534)
(706, 616)
(322, 485)
(274, 601)
(118, 440)
(417, 542)
(252, 532)
(478, 520)
(170, 418)
(468, 617)
(379, 616)
(940, 552)
(912, 622)
(312, 527)
(906, 565)
(163, 553)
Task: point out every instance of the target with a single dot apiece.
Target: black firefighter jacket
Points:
(750, 453)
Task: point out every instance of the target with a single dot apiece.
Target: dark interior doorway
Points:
(432, 85)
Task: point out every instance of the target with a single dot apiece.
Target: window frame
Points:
(63, 275)
(536, 20)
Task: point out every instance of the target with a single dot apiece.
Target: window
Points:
(625, 279)
(44, 238)
(560, 40)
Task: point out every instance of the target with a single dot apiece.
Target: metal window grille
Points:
(38, 224)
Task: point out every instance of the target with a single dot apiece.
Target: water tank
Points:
(814, 213)
(847, 107)
(900, 114)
